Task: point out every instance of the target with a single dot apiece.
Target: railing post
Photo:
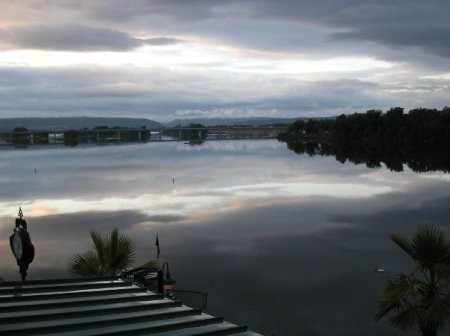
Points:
(205, 302)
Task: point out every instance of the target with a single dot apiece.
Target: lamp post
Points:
(21, 245)
(146, 277)
(165, 282)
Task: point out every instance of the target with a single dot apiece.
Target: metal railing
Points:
(205, 296)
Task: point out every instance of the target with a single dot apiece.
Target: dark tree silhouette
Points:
(418, 139)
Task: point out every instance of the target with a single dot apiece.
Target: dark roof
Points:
(101, 306)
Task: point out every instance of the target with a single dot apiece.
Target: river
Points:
(284, 243)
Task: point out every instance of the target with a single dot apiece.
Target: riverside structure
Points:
(113, 135)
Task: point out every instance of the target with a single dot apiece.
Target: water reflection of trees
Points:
(420, 139)
(417, 159)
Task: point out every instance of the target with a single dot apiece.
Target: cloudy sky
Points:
(166, 59)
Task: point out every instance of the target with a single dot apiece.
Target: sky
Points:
(169, 59)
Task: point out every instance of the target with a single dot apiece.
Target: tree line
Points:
(418, 138)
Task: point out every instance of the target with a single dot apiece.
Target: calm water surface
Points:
(283, 243)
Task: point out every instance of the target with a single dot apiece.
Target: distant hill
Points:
(256, 121)
(65, 123)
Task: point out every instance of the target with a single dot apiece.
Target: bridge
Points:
(119, 135)
(223, 132)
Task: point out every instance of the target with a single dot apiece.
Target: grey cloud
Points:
(55, 227)
(163, 95)
(162, 41)
(75, 37)
(79, 224)
(166, 218)
(402, 218)
(385, 22)
(106, 91)
(332, 94)
(271, 36)
(285, 25)
(68, 37)
(83, 91)
(192, 11)
(340, 12)
(430, 39)
(418, 24)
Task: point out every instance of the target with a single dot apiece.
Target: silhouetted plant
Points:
(420, 300)
(112, 254)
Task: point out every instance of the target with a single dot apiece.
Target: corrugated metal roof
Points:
(101, 306)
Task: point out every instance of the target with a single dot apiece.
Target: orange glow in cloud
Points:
(237, 204)
(39, 210)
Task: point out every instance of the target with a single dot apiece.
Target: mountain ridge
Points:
(77, 123)
(66, 123)
(254, 121)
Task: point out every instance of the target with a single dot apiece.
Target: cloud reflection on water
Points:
(283, 236)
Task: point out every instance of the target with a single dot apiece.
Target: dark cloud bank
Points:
(418, 24)
(76, 37)
(412, 34)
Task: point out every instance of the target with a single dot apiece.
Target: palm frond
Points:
(408, 318)
(84, 265)
(99, 244)
(437, 313)
(443, 271)
(404, 243)
(112, 253)
(404, 287)
(126, 253)
(113, 242)
(399, 293)
(430, 245)
(385, 307)
(421, 299)
(120, 252)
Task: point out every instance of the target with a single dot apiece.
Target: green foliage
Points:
(195, 125)
(20, 129)
(71, 138)
(20, 137)
(421, 299)
(112, 254)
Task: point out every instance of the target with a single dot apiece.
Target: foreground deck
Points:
(101, 306)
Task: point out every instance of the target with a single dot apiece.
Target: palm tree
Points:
(420, 299)
(112, 254)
